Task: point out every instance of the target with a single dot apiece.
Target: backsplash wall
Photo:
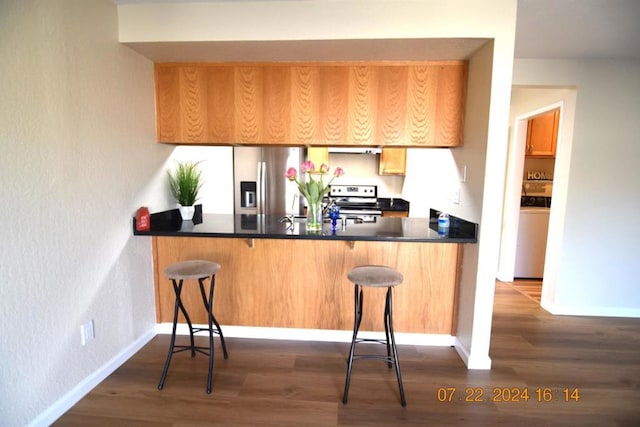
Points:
(362, 169)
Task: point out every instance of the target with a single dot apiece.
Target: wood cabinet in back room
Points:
(419, 104)
(542, 135)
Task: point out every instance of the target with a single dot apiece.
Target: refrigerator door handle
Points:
(261, 188)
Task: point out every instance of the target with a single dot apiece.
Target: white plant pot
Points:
(187, 212)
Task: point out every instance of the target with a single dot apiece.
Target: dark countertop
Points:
(169, 223)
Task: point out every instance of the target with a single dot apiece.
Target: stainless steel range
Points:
(357, 202)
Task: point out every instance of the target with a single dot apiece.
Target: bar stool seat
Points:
(193, 270)
(376, 276)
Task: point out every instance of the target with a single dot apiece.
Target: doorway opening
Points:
(527, 103)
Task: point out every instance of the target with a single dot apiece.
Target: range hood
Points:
(355, 150)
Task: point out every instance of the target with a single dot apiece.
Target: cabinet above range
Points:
(418, 104)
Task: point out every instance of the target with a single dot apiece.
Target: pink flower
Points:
(291, 174)
(313, 188)
(307, 166)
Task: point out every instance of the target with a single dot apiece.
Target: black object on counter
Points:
(171, 220)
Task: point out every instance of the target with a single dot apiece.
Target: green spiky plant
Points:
(185, 183)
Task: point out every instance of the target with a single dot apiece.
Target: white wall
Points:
(362, 169)
(216, 165)
(312, 20)
(78, 158)
(598, 271)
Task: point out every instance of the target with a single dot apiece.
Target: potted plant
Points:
(185, 183)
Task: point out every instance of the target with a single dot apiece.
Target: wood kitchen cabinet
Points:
(318, 155)
(366, 104)
(400, 214)
(542, 135)
(393, 161)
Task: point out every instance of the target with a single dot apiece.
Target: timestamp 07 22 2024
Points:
(508, 394)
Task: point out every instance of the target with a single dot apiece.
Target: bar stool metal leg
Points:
(186, 317)
(358, 298)
(386, 327)
(177, 305)
(209, 308)
(389, 304)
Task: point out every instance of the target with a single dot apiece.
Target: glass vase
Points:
(314, 215)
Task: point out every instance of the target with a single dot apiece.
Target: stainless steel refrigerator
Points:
(260, 186)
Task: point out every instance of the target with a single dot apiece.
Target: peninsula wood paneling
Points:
(366, 104)
(294, 283)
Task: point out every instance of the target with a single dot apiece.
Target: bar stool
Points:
(178, 273)
(375, 276)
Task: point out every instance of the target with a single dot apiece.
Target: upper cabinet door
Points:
(393, 161)
(305, 105)
(391, 125)
(366, 104)
(362, 108)
(181, 104)
(542, 135)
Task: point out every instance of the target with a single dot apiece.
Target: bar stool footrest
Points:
(374, 356)
(372, 340)
(196, 330)
(181, 348)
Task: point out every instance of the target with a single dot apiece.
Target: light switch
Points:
(455, 195)
(462, 173)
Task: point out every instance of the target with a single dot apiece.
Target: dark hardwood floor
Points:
(267, 382)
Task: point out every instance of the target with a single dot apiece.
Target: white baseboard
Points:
(65, 403)
(561, 310)
(327, 335)
(472, 361)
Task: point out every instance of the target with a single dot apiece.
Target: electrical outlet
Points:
(86, 332)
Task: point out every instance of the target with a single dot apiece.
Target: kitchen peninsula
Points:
(275, 274)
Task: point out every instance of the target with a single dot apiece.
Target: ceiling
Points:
(578, 29)
(573, 29)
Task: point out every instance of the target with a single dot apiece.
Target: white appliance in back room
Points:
(534, 225)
